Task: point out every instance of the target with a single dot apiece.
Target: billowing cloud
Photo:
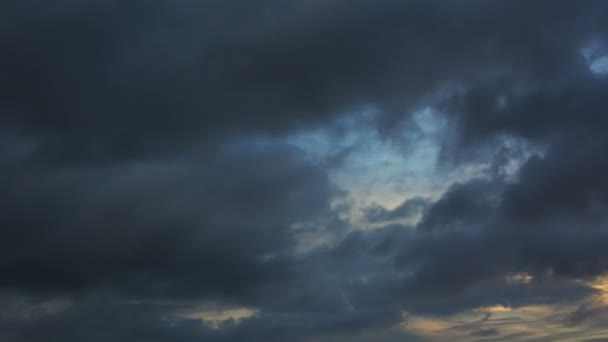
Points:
(303, 170)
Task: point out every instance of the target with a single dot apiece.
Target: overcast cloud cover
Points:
(303, 170)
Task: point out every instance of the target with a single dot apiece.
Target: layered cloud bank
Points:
(303, 170)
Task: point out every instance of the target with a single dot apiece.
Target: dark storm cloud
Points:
(468, 252)
(188, 226)
(442, 272)
(102, 79)
(168, 197)
(546, 221)
(564, 107)
(569, 180)
(463, 203)
(103, 318)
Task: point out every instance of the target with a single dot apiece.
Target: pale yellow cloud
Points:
(215, 317)
(526, 324)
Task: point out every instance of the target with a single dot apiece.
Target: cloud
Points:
(217, 224)
(463, 203)
(485, 333)
(124, 80)
(407, 210)
(148, 166)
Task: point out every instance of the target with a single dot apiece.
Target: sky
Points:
(303, 170)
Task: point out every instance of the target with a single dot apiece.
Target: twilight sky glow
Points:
(303, 170)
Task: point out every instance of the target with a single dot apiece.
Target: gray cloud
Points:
(407, 210)
(219, 223)
(142, 168)
(119, 80)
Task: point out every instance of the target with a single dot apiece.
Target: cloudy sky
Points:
(303, 170)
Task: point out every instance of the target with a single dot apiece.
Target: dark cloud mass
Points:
(177, 227)
(150, 184)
